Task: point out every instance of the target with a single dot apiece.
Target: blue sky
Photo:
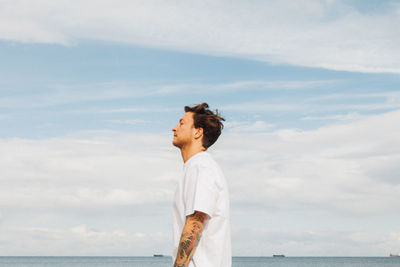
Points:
(108, 86)
(88, 97)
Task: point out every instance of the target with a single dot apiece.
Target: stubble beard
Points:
(176, 143)
(180, 143)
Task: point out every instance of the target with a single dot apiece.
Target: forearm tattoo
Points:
(190, 238)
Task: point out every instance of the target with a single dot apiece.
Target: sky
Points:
(90, 90)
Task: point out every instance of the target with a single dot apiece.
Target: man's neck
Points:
(188, 152)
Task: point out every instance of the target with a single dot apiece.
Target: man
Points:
(201, 202)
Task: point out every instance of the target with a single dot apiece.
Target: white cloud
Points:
(311, 242)
(129, 122)
(56, 94)
(340, 117)
(256, 85)
(244, 126)
(312, 33)
(344, 173)
(391, 97)
(146, 109)
(81, 241)
(336, 102)
(255, 106)
(79, 172)
(346, 168)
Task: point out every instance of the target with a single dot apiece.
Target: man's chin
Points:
(178, 145)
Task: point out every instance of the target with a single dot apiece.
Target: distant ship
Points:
(394, 255)
(278, 255)
(158, 255)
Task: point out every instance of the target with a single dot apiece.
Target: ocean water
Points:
(167, 261)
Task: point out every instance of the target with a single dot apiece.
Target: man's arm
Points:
(190, 238)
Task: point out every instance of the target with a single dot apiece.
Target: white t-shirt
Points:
(203, 188)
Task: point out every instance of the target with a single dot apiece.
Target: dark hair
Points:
(210, 122)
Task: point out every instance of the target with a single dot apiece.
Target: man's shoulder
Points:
(206, 168)
(204, 165)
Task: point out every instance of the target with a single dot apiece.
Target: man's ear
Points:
(198, 133)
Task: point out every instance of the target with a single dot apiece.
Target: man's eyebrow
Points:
(181, 120)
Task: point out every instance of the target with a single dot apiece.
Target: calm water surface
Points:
(167, 261)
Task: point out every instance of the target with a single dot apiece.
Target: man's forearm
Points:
(190, 238)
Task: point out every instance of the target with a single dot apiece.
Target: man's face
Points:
(183, 131)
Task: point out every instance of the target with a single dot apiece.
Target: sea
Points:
(167, 261)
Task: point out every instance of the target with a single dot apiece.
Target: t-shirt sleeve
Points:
(200, 190)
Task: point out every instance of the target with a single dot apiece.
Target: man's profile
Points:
(201, 202)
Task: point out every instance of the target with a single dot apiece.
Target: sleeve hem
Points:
(191, 211)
